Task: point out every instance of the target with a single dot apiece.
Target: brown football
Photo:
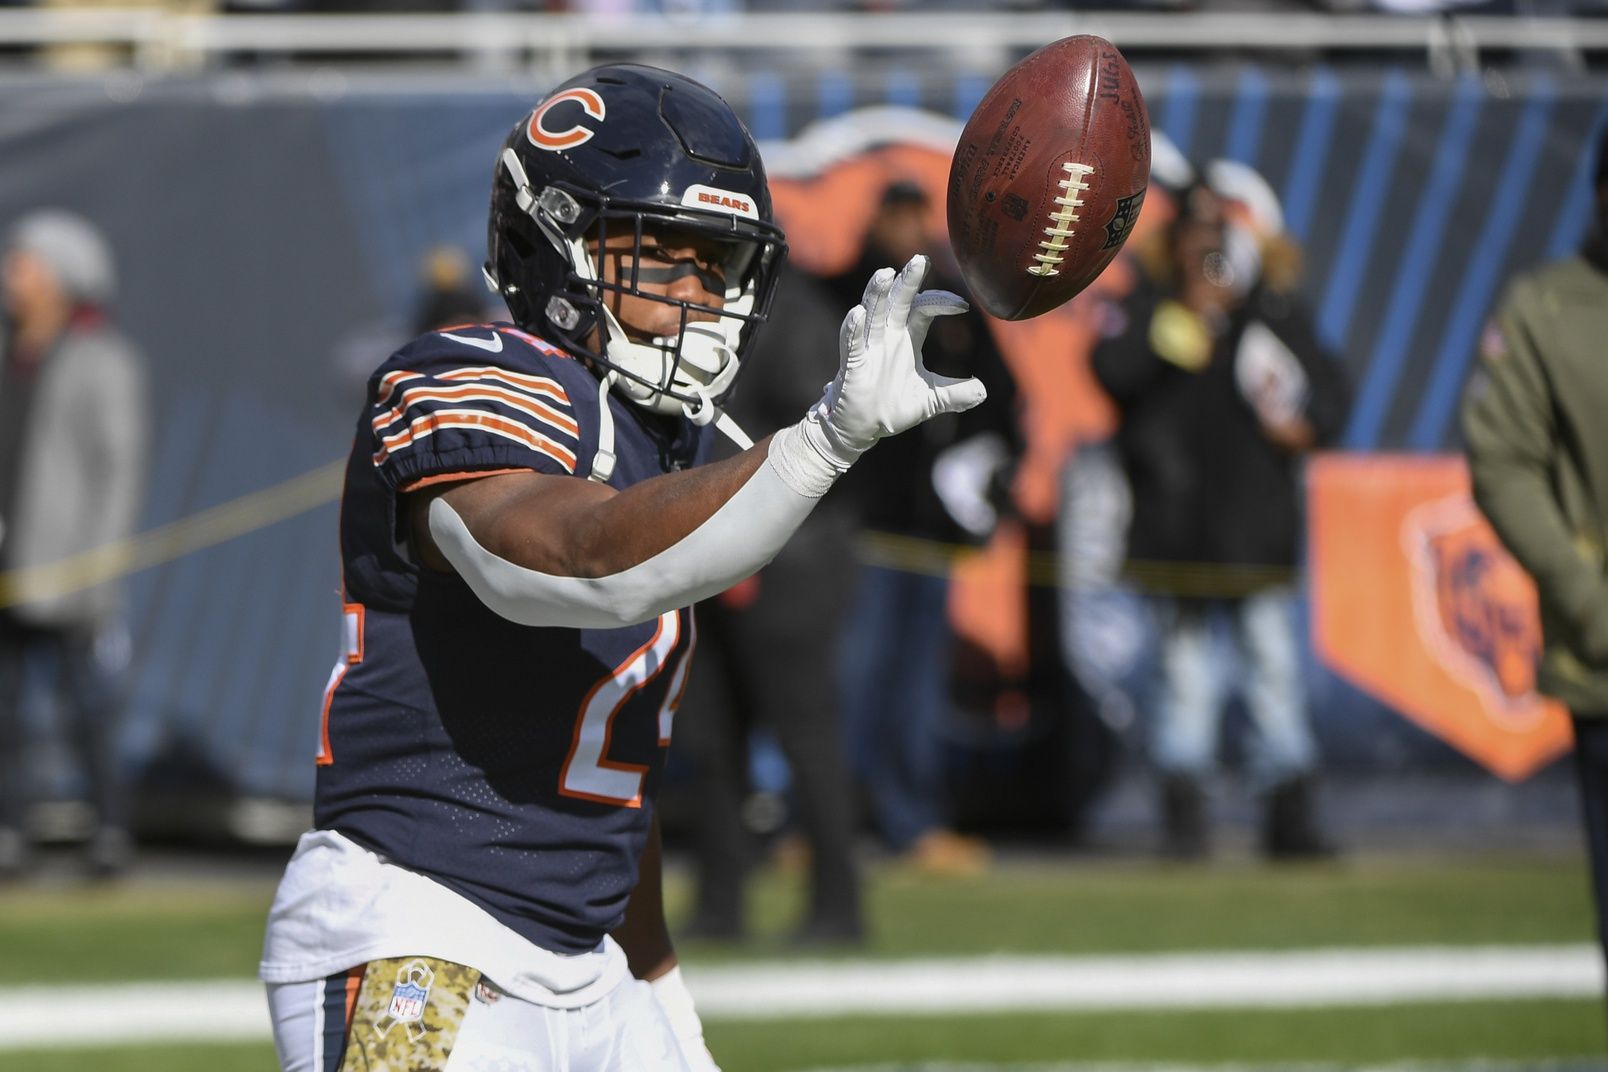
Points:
(1048, 177)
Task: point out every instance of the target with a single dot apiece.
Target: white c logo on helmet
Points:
(557, 141)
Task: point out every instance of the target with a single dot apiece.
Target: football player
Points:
(526, 523)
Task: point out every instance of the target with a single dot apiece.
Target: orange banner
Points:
(1415, 601)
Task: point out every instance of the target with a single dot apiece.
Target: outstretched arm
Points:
(582, 529)
(545, 550)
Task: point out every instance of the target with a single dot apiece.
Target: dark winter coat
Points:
(1217, 505)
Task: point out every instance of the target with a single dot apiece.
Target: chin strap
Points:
(706, 412)
(703, 411)
(732, 430)
(603, 460)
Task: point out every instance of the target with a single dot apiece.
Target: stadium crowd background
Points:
(288, 195)
(281, 207)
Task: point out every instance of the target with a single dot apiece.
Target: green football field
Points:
(178, 929)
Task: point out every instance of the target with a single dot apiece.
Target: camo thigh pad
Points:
(407, 1015)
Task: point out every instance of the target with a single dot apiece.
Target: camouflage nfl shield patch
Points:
(407, 1015)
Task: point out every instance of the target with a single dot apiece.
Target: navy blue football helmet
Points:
(631, 149)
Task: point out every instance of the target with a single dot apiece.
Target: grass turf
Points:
(1521, 1031)
(214, 929)
(1143, 907)
(103, 933)
(153, 930)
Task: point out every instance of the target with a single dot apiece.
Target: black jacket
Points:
(1217, 505)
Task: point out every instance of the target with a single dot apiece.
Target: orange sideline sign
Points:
(1415, 601)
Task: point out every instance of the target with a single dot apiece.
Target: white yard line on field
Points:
(230, 1009)
(1478, 1064)
(1299, 978)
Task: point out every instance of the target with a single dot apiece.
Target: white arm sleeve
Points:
(732, 544)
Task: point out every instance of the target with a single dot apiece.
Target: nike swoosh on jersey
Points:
(492, 345)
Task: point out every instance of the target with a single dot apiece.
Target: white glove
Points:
(881, 388)
(676, 1001)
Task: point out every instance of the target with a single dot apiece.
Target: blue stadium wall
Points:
(262, 221)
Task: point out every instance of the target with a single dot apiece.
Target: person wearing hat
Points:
(1222, 389)
(1537, 447)
(73, 432)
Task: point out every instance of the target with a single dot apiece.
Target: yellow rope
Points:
(208, 528)
(299, 494)
(913, 554)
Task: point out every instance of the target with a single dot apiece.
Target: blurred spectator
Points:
(918, 496)
(1222, 388)
(1104, 623)
(73, 429)
(450, 294)
(766, 660)
(85, 57)
(1537, 443)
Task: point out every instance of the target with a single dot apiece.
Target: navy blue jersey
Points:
(514, 765)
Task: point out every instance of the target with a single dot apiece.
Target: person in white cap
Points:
(73, 431)
(1223, 389)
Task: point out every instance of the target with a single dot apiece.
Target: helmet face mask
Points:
(663, 163)
(694, 355)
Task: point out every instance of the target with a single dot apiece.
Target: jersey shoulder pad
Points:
(478, 398)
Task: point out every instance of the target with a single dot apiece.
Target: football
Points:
(1048, 177)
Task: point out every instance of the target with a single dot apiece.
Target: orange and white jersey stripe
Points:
(544, 387)
(435, 421)
(470, 393)
(437, 413)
